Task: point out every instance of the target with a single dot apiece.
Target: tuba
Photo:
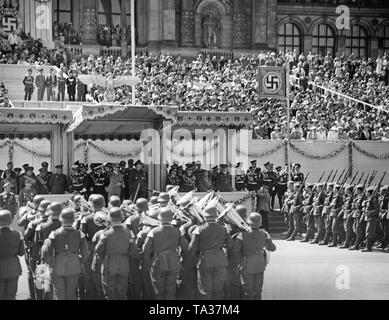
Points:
(148, 221)
(203, 202)
(230, 217)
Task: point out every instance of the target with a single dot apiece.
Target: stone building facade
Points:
(230, 25)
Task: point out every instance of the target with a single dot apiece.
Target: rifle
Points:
(340, 191)
(314, 188)
(352, 180)
(341, 175)
(345, 177)
(333, 178)
(360, 178)
(367, 178)
(373, 177)
(372, 196)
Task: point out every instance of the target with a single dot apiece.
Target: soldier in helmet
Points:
(384, 217)
(318, 202)
(11, 246)
(161, 257)
(359, 226)
(337, 217)
(65, 250)
(307, 212)
(209, 240)
(347, 216)
(326, 214)
(249, 247)
(371, 214)
(296, 211)
(8, 199)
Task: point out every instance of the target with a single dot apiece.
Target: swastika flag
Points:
(272, 82)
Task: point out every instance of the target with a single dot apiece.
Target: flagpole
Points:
(288, 117)
(133, 47)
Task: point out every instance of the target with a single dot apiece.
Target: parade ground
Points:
(300, 271)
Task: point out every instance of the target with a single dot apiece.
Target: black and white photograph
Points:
(205, 152)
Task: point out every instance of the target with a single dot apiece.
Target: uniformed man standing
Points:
(348, 219)
(253, 177)
(138, 178)
(11, 246)
(71, 86)
(240, 177)
(384, 217)
(249, 246)
(223, 180)
(359, 226)
(296, 175)
(77, 180)
(337, 217)
(160, 254)
(43, 178)
(188, 180)
(209, 241)
(281, 185)
(307, 212)
(61, 79)
(98, 180)
(371, 214)
(326, 214)
(296, 211)
(8, 200)
(318, 203)
(269, 180)
(214, 174)
(289, 198)
(65, 250)
(51, 83)
(26, 194)
(40, 82)
(28, 82)
(58, 183)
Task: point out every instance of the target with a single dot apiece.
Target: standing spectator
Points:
(264, 206)
(9, 179)
(8, 199)
(71, 86)
(321, 133)
(40, 82)
(58, 183)
(28, 82)
(51, 83)
(116, 182)
(61, 80)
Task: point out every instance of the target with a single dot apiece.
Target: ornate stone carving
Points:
(240, 30)
(187, 28)
(211, 24)
(168, 4)
(227, 4)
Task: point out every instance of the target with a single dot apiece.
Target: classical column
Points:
(263, 23)
(227, 32)
(271, 23)
(240, 25)
(197, 35)
(187, 26)
(169, 22)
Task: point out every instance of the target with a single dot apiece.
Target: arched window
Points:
(289, 37)
(323, 39)
(357, 42)
(383, 40)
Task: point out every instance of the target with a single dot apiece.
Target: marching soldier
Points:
(223, 180)
(161, 257)
(371, 214)
(359, 226)
(326, 214)
(8, 200)
(61, 80)
(384, 216)
(296, 211)
(28, 82)
(240, 177)
(188, 180)
(337, 217)
(307, 212)
(249, 247)
(296, 175)
(65, 250)
(281, 185)
(40, 81)
(348, 219)
(51, 83)
(58, 183)
(208, 240)
(289, 197)
(318, 203)
(11, 246)
(138, 182)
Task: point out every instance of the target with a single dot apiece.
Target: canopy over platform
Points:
(212, 119)
(35, 116)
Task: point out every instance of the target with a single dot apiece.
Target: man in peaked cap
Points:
(11, 246)
(160, 254)
(246, 246)
(43, 178)
(40, 82)
(208, 240)
(58, 183)
(138, 182)
(224, 180)
(28, 82)
(253, 177)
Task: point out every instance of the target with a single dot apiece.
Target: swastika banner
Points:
(272, 82)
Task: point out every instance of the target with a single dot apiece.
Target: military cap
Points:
(309, 186)
(44, 164)
(224, 166)
(59, 166)
(163, 197)
(278, 168)
(114, 201)
(28, 182)
(153, 200)
(253, 162)
(210, 212)
(384, 188)
(7, 184)
(360, 187)
(67, 215)
(5, 218)
(215, 168)
(241, 210)
(97, 200)
(43, 205)
(122, 163)
(142, 204)
(54, 209)
(18, 170)
(30, 169)
(297, 165)
(25, 166)
(267, 164)
(254, 220)
(130, 160)
(165, 215)
(138, 162)
(297, 185)
(115, 214)
(75, 167)
(370, 189)
(337, 186)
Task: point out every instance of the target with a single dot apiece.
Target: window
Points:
(289, 37)
(357, 42)
(62, 11)
(323, 40)
(114, 11)
(383, 40)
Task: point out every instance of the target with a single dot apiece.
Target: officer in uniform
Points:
(11, 246)
(58, 183)
(384, 217)
(337, 217)
(8, 200)
(98, 180)
(371, 214)
(326, 214)
(296, 175)
(113, 250)
(240, 177)
(71, 86)
(138, 178)
(307, 212)
(223, 180)
(127, 172)
(51, 83)
(318, 203)
(249, 247)
(208, 241)
(296, 211)
(281, 185)
(214, 174)
(65, 250)
(43, 178)
(172, 178)
(26, 194)
(269, 180)
(188, 180)
(61, 80)
(348, 219)
(359, 226)
(285, 210)
(77, 180)
(40, 81)
(28, 82)
(161, 257)
(253, 177)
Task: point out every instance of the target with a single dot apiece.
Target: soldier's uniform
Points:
(61, 80)
(51, 82)
(296, 212)
(28, 82)
(318, 203)
(223, 181)
(25, 196)
(98, 182)
(138, 177)
(8, 202)
(40, 82)
(289, 198)
(215, 172)
(62, 250)
(337, 218)
(77, 181)
(269, 179)
(161, 257)
(58, 183)
(281, 186)
(371, 215)
(308, 214)
(71, 86)
(348, 219)
(253, 179)
(209, 240)
(326, 215)
(43, 180)
(359, 226)
(297, 176)
(249, 248)
(173, 180)
(240, 178)
(188, 182)
(384, 217)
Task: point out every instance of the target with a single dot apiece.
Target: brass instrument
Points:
(230, 217)
(148, 221)
(203, 202)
